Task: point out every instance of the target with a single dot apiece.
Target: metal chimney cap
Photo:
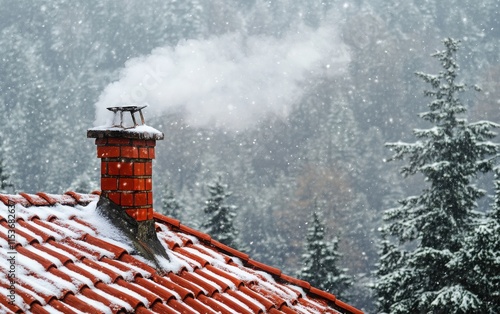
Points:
(121, 110)
(126, 108)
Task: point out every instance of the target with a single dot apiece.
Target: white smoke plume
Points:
(228, 81)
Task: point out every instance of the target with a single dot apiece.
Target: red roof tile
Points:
(64, 263)
(35, 199)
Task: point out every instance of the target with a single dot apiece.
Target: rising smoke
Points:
(229, 81)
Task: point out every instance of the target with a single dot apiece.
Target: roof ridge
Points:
(69, 198)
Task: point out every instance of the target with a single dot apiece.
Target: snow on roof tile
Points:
(65, 263)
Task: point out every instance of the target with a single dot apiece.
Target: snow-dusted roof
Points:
(68, 259)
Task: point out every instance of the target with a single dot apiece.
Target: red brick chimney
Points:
(126, 164)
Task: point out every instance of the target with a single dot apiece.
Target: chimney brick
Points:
(126, 168)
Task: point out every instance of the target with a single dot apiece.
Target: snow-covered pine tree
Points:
(390, 259)
(479, 259)
(320, 260)
(170, 205)
(415, 274)
(4, 177)
(219, 222)
(493, 246)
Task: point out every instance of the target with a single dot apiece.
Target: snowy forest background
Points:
(326, 150)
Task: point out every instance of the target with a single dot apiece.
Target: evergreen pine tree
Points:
(219, 222)
(415, 274)
(390, 259)
(170, 205)
(493, 247)
(320, 260)
(479, 260)
(4, 178)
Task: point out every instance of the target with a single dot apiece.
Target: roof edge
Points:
(275, 272)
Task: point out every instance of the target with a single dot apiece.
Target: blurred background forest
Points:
(57, 57)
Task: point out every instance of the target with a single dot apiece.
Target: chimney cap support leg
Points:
(142, 116)
(133, 118)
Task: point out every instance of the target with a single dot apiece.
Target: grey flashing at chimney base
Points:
(142, 234)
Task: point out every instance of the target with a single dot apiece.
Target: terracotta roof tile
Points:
(252, 304)
(148, 294)
(34, 199)
(82, 199)
(158, 290)
(53, 199)
(85, 249)
(193, 287)
(347, 307)
(94, 295)
(67, 266)
(169, 220)
(37, 232)
(61, 307)
(116, 250)
(214, 304)
(83, 224)
(102, 272)
(37, 308)
(121, 269)
(24, 290)
(70, 226)
(196, 233)
(198, 305)
(276, 300)
(69, 252)
(160, 307)
(187, 262)
(14, 199)
(29, 255)
(128, 259)
(220, 281)
(179, 306)
(124, 294)
(233, 303)
(323, 294)
(236, 282)
(266, 268)
(27, 297)
(209, 286)
(79, 304)
(171, 243)
(143, 310)
(285, 309)
(6, 306)
(200, 260)
(58, 273)
(301, 283)
(83, 272)
(173, 287)
(23, 234)
(49, 228)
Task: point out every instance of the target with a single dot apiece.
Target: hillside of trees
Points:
(57, 57)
